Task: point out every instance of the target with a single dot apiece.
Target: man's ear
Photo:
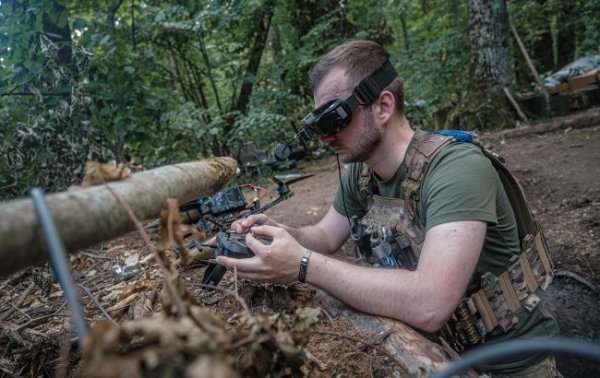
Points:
(387, 106)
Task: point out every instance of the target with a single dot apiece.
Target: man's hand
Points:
(277, 263)
(241, 226)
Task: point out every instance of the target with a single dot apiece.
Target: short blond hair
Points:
(359, 59)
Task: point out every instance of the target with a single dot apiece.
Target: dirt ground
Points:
(559, 171)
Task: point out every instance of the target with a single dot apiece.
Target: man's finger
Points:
(251, 220)
(237, 227)
(245, 267)
(266, 230)
(254, 244)
(240, 264)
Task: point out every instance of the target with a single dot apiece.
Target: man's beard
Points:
(368, 141)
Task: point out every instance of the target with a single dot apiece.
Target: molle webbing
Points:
(496, 303)
(417, 159)
(500, 297)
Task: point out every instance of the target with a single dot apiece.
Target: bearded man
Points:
(429, 206)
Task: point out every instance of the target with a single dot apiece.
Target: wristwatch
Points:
(304, 265)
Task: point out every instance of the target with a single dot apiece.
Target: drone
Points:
(214, 215)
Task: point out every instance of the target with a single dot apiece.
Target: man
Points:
(467, 223)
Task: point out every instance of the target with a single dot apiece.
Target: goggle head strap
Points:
(369, 88)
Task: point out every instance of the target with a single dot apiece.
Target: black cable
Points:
(514, 348)
(59, 263)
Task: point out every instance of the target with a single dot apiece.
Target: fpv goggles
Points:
(334, 115)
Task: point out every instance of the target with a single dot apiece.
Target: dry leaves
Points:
(142, 295)
(152, 346)
(194, 342)
(184, 338)
(200, 345)
(172, 233)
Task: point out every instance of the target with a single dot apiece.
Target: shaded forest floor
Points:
(559, 171)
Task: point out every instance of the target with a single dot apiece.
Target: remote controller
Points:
(230, 245)
(234, 245)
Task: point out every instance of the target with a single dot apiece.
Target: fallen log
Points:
(94, 214)
(416, 355)
(581, 120)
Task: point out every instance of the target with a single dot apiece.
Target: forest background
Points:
(160, 82)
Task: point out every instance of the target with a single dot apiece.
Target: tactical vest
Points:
(391, 234)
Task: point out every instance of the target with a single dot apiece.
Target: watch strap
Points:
(304, 265)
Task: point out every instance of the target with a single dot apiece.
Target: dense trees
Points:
(166, 81)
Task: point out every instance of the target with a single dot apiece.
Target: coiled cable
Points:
(513, 348)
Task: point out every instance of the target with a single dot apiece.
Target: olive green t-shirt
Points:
(461, 184)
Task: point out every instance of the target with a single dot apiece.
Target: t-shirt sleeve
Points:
(461, 184)
(348, 199)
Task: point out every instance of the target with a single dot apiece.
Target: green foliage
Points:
(588, 28)
(435, 68)
(160, 82)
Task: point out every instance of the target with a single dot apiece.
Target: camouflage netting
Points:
(49, 145)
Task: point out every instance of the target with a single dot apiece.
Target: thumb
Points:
(265, 230)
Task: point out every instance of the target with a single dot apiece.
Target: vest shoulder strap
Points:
(417, 159)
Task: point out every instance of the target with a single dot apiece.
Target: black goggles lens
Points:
(327, 119)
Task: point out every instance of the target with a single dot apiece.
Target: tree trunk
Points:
(258, 46)
(404, 30)
(543, 51)
(211, 77)
(259, 42)
(303, 15)
(110, 14)
(582, 120)
(94, 214)
(425, 6)
(490, 67)
(488, 37)
(565, 39)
